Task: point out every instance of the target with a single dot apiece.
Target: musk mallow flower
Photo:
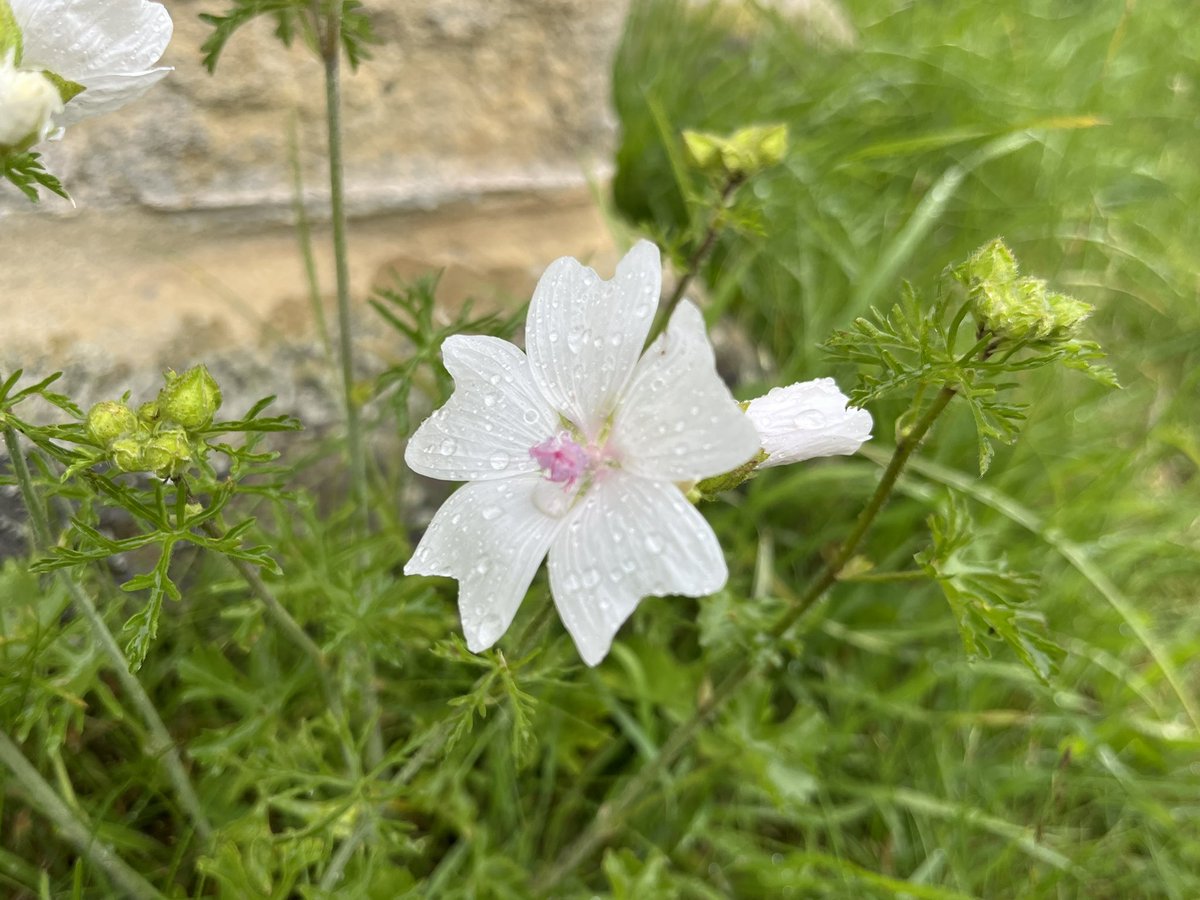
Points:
(806, 420)
(575, 449)
(107, 48)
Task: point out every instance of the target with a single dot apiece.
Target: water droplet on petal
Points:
(653, 544)
(530, 416)
(447, 446)
(499, 460)
(591, 578)
(490, 513)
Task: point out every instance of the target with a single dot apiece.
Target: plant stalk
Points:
(44, 799)
(331, 44)
(696, 260)
(162, 746)
(611, 814)
(331, 56)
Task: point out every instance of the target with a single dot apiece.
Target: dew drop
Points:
(530, 416)
(489, 400)
(552, 337)
(490, 513)
(456, 518)
(653, 544)
(447, 447)
(499, 460)
(591, 578)
(494, 380)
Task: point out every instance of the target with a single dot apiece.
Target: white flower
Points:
(110, 47)
(28, 100)
(574, 450)
(808, 419)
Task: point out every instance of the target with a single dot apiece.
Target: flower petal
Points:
(108, 92)
(487, 427)
(82, 39)
(490, 537)
(629, 538)
(677, 420)
(584, 335)
(808, 419)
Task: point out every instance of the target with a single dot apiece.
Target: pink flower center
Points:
(563, 460)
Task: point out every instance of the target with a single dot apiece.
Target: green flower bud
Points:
(190, 399)
(127, 454)
(746, 152)
(148, 413)
(168, 452)
(1015, 307)
(109, 420)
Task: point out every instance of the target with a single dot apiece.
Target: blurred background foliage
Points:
(877, 758)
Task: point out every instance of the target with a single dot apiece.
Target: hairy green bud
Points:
(167, 453)
(109, 420)
(127, 454)
(191, 399)
(746, 152)
(1015, 307)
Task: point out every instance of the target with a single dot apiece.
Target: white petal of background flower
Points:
(629, 538)
(109, 46)
(806, 420)
(494, 417)
(490, 537)
(677, 420)
(584, 335)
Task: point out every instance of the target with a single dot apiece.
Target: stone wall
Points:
(470, 139)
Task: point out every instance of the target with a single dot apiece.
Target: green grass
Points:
(873, 758)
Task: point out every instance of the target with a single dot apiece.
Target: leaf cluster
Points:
(918, 346)
(310, 20)
(26, 172)
(186, 509)
(985, 596)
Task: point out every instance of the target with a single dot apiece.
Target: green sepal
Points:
(67, 89)
(10, 34)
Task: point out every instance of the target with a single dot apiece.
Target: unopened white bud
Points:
(29, 101)
(806, 420)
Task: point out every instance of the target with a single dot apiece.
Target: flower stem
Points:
(696, 260)
(611, 814)
(161, 745)
(331, 56)
(44, 799)
(331, 48)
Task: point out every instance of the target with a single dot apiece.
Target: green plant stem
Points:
(696, 260)
(610, 815)
(298, 636)
(44, 799)
(304, 238)
(331, 55)
(161, 745)
(331, 42)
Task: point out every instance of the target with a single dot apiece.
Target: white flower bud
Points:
(807, 419)
(28, 103)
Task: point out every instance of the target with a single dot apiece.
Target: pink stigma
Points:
(562, 459)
